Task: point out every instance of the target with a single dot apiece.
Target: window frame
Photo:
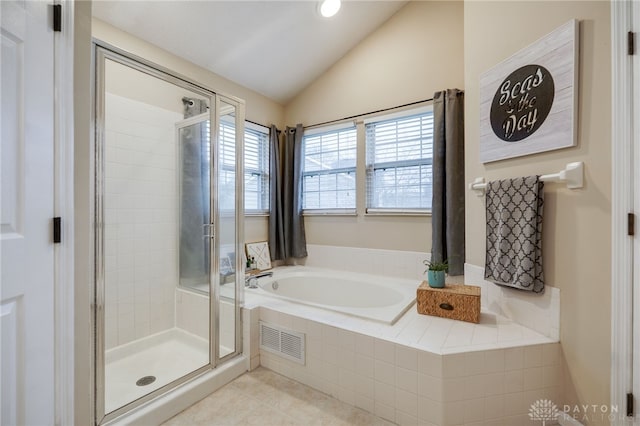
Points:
(370, 166)
(326, 130)
(265, 175)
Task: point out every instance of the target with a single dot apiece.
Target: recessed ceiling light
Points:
(328, 8)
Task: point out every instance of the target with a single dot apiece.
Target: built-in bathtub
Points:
(420, 369)
(372, 297)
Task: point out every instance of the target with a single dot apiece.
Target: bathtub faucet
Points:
(251, 281)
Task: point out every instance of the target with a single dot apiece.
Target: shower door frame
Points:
(102, 51)
(238, 104)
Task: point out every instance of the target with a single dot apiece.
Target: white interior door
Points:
(26, 205)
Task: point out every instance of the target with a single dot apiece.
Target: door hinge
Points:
(629, 405)
(57, 17)
(631, 45)
(631, 224)
(57, 230)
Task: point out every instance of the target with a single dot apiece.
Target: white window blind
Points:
(329, 171)
(256, 169)
(399, 159)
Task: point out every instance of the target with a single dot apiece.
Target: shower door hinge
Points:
(631, 224)
(57, 230)
(631, 45)
(57, 17)
(629, 405)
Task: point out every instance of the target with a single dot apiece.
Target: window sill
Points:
(398, 212)
(256, 214)
(330, 212)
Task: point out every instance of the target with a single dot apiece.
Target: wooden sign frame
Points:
(528, 102)
(260, 252)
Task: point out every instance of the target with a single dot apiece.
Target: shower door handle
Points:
(207, 230)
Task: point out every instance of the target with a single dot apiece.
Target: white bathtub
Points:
(373, 297)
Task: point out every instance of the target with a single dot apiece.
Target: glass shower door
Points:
(196, 257)
(194, 151)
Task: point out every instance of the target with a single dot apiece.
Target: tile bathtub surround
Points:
(401, 264)
(424, 369)
(251, 336)
(408, 385)
(263, 397)
(539, 312)
(424, 332)
(140, 219)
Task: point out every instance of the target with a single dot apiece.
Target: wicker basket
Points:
(459, 302)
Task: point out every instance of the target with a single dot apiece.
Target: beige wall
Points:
(577, 238)
(259, 108)
(132, 84)
(414, 54)
(256, 228)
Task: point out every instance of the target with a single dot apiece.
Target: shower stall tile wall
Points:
(192, 313)
(192, 310)
(141, 240)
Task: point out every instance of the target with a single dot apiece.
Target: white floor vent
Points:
(285, 343)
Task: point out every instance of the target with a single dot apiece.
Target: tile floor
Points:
(265, 398)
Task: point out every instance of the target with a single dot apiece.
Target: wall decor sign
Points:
(260, 253)
(528, 102)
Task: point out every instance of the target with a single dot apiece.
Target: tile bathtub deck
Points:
(428, 333)
(263, 397)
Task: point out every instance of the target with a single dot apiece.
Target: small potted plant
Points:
(435, 273)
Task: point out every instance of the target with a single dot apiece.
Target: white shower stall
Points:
(168, 226)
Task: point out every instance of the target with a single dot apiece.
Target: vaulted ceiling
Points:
(276, 48)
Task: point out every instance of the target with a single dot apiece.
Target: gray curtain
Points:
(448, 180)
(286, 225)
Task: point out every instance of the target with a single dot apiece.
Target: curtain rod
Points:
(367, 113)
(257, 124)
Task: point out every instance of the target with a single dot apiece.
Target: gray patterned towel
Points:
(514, 233)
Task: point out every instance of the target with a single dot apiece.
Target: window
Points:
(399, 158)
(256, 167)
(329, 170)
